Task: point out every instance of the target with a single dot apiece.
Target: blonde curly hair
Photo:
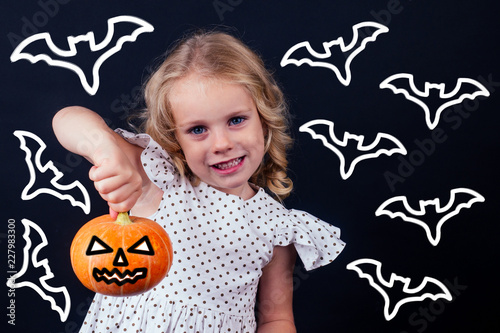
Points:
(220, 56)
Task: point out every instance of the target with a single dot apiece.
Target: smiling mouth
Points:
(229, 164)
(117, 277)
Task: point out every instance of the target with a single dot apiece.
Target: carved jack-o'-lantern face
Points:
(99, 247)
(123, 257)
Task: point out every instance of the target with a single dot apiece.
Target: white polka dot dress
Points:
(221, 243)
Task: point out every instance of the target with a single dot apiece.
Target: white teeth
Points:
(115, 276)
(227, 165)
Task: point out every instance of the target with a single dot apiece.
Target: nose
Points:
(222, 141)
(120, 258)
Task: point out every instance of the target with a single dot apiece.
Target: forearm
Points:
(274, 306)
(83, 132)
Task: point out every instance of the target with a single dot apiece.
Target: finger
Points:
(116, 190)
(103, 171)
(123, 205)
(92, 173)
(113, 213)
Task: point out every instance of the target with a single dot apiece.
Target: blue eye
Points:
(197, 130)
(236, 120)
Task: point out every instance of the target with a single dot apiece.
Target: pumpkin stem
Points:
(123, 219)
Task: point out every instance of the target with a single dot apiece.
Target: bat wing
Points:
(138, 25)
(465, 89)
(47, 292)
(383, 144)
(403, 83)
(303, 53)
(460, 198)
(371, 270)
(54, 56)
(46, 51)
(35, 167)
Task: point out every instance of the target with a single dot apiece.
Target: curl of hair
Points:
(220, 56)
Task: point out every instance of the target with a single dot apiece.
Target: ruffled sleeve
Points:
(155, 160)
(317, 242)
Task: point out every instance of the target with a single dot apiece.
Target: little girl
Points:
(211, 169)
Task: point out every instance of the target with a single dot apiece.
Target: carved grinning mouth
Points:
(117, 277)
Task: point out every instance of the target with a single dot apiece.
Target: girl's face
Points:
(220, 132)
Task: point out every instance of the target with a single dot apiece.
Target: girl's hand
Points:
(116, 179)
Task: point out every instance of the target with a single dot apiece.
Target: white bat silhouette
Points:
(105, 46)
(357, 44)
(399, 207)
(371, 150)
(46, 292)
(403, 83)
(35, 166)
(416, 294)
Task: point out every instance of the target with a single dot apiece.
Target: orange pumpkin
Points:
(121, 258)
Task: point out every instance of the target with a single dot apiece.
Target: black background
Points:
(436, 41)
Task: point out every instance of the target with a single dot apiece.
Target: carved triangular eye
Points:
(142, 246)
(97, 246)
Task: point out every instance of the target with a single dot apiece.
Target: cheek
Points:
(186, 146)
(194, 154)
